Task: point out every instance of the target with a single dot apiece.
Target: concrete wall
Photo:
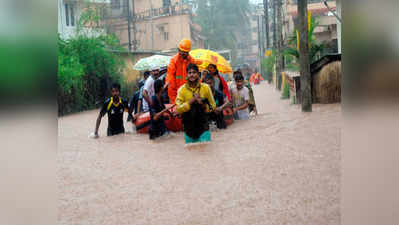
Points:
(130, 59)
(176, 27)
(166, 30)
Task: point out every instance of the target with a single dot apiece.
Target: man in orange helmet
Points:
(177, 72)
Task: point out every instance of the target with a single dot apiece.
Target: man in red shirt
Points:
(176, 75)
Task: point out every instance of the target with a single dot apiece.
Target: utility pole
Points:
(128, 25)
(152, 32)
(259, 41)
(134, 27)
(274, 24)
(306, 78)
(266, 13)
(262, 35)
(278, 45)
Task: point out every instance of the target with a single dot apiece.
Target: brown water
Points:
(281, 167)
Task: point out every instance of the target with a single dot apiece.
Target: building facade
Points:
(69, 12)
(327, 29)
(154, 25)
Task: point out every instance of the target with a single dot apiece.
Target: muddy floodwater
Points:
(280, 167)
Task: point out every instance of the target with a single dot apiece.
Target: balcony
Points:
(172, 10)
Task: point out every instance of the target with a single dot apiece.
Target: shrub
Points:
(286, 91)
(86, 69)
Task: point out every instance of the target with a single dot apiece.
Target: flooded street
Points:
(280, 167)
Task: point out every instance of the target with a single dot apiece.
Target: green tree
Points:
(222, 21)
(316, 49)
(87, 65)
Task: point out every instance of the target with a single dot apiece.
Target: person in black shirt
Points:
(157, 109)
(114, 107)
(221, 102)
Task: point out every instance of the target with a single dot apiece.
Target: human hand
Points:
(235, 110)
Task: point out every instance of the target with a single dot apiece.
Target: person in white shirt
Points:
(239, 97)
(148, 90)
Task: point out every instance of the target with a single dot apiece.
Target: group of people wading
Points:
(198, 99)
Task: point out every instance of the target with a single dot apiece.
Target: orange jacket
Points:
(176, 75)
(254, 77)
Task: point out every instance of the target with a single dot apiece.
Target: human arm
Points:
(170, 81)
(146, 97)
(98, 122)
(225, 104)
(181, 102)
(195, 61)
(243, 106)
(127, 107)
(210, 97)
(158, 115)
(99, 117)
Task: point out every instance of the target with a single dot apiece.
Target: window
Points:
(116, 4)
(165, 3)
(69, 15)
(166, 36)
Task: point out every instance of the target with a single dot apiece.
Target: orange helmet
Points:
(185, 45)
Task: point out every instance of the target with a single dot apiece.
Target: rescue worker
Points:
(255, 78)
(177, 69)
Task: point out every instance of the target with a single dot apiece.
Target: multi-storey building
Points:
(154, 25)
(69, 12)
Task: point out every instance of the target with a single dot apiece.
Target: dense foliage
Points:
(267, 65)
(86, 69)
(316, 50)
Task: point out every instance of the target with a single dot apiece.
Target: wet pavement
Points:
(280, 167)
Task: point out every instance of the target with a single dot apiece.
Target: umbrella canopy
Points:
(211, 57)
(146, 63)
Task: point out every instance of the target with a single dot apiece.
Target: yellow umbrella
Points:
(211, 57)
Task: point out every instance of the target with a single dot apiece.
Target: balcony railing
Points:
(164, 11)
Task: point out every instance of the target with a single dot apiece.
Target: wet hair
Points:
(158, 84)
(192, 66)
(116, 86)
(214, 66)
(208, 77)
(238, 75)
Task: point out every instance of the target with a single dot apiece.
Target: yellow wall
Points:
(130, 59)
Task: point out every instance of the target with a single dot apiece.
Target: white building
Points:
(69, 12)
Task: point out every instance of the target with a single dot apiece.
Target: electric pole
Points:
(152, 32)
(128, 25)
(306, 79)
(259, 40)
(274, 24)
(134, 27)
(279, 45)
(266, 13)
